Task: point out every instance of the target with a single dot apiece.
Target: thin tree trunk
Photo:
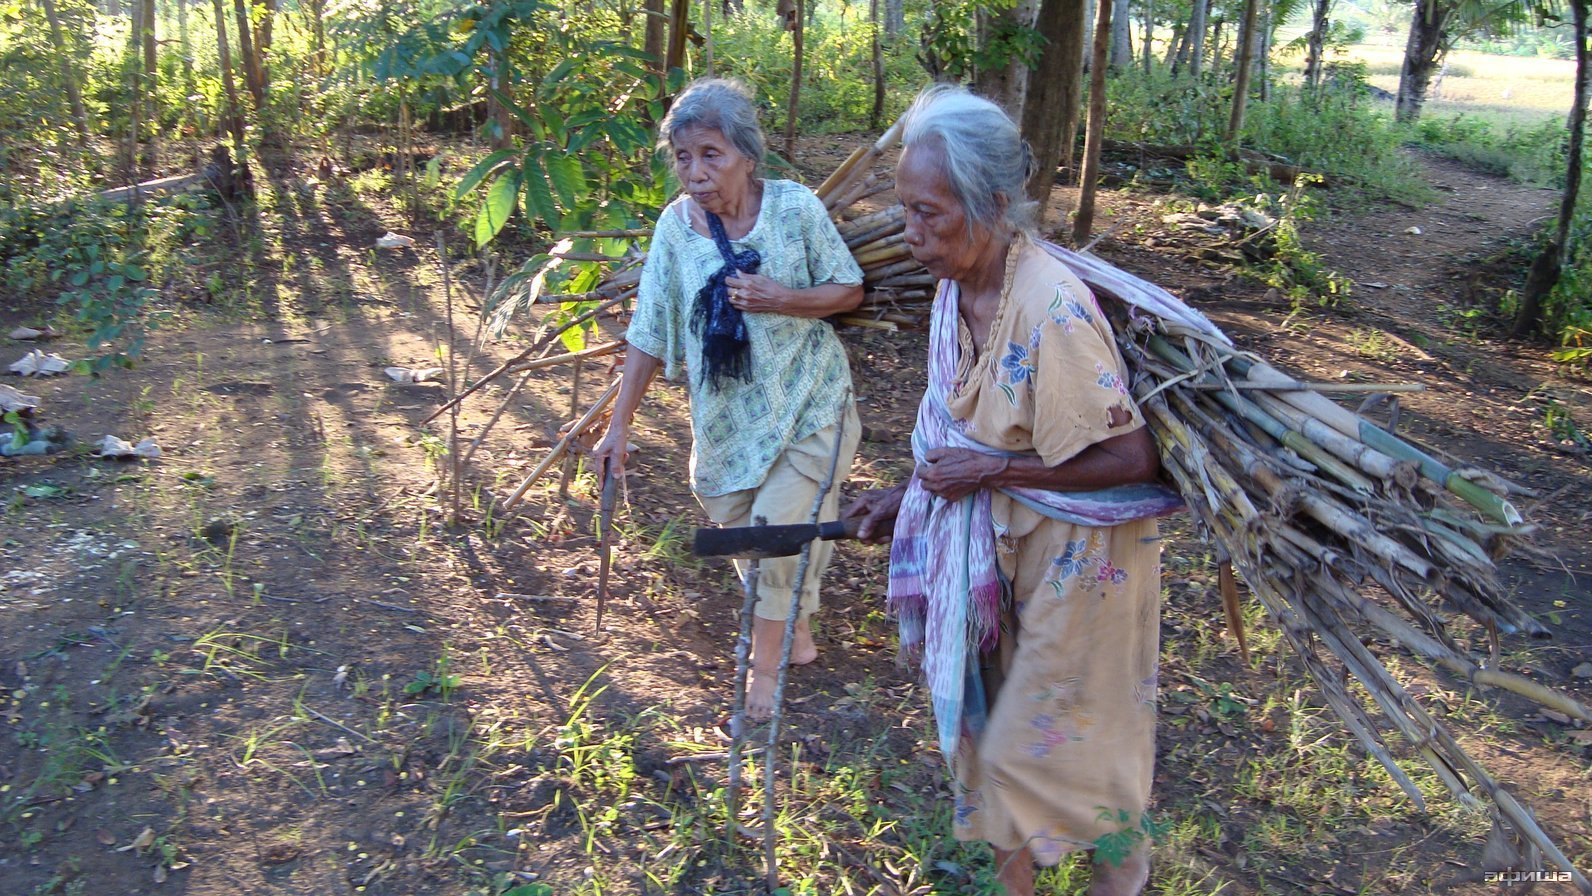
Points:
(1245, 65)
(1050, 113)
(497, 112)
(1121, 35)
(1084, 222)
(318, 11)
(185, 46)
(1263, 54)
(246, 58)
(147, 38)
(795, 79)
(262, 42)
(895, 17)
(876, 116)
(113, 8)
(1422, 52)
(679, 24)
(707, 36)
(1315, 42)
(68, 61)
(1549, 266)
(1198, 22)
(1149, 34)
(135, 100)
(229, 84)
(652, 37)
(1177, 47)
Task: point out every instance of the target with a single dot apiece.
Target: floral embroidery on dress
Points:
(1108, 379)
(1072, 562)
(1110, 573)
(1019, 365)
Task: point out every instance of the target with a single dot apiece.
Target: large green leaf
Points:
(482, 170)
(496, 209)
(569, 179)
(539, 196)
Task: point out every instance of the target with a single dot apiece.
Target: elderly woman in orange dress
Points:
(1025, 560)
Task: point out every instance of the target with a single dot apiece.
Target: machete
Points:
(756, 542)
(605, 523)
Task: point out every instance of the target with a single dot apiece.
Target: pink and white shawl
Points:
(944, 583)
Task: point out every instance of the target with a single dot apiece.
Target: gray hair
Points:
(983, 155)
(723, 104)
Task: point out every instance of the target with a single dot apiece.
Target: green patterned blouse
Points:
(800, 378)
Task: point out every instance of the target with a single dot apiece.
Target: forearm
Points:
(820, 301)
(640, 369)
(1124, 460)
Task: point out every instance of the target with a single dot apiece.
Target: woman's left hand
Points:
(755, 292)
(955, 473)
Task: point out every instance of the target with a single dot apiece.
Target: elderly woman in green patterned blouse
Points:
(741, 273)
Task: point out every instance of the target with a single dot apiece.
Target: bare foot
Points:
(760, 694)
(1015, 871)
(1126, 879)
(768, 636)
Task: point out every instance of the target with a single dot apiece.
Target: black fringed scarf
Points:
(726, 350)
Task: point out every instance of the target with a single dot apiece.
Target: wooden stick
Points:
(771, 761)
(575, 431)
(743, 652)
(859, 161)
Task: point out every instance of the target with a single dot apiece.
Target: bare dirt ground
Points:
(265, 664)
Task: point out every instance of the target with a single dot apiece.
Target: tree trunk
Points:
(1197, 24)
(318, 13)
(1263, 53)
(1244, 66)
(262, 42)
(1091, 10)
(1149, 33)
(229, 85)
(1121, 35)
(113, 8)
(1177, 47)
(795, 80)
(1547, 268)
(679, 24)
(497, 111)
(895, 17)
(1315, 42)
(876, 116)
(1084, 222)
(68, 61)
(147, 39)
(246, 57)
(707, 36)
(1423, 50)
(652, 37)
(1006, 84)
(185, 46)
(135, 97)
(1050, 113)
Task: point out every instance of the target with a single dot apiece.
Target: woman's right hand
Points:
(875, 511)
(611, 450)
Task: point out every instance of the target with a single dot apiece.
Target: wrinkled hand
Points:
(755, 292)
(875, 511)
(955, 473)
(613, 449)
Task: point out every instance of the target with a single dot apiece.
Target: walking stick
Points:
(606, 535)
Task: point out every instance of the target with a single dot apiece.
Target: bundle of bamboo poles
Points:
(1347, 535)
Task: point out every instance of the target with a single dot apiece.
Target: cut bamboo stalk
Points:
(860, 160)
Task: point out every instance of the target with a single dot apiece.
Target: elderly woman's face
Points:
(936, 224)
(712, 170)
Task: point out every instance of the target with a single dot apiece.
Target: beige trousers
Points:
(785, 497)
